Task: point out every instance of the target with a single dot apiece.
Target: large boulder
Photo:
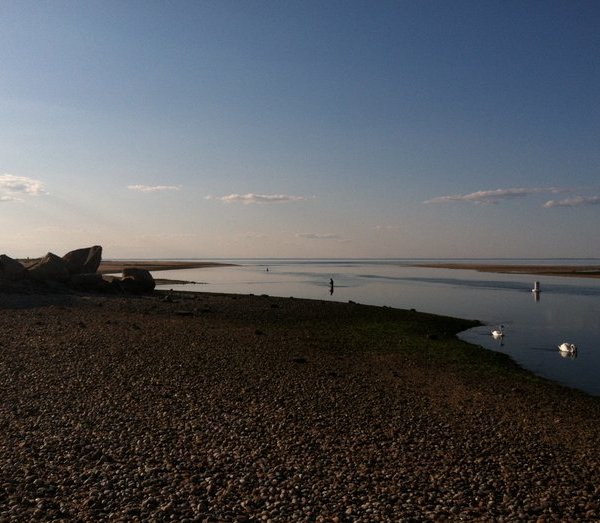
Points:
(50, 268)
(11, 270)
(137, 280)
(90, 282)
(83, 261)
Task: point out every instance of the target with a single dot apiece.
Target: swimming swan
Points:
(498, 333)
(568, 348)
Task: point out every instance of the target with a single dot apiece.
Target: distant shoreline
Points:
(579, 271)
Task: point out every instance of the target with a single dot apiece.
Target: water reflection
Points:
(499, 341)
(533, 328)
(568, 355)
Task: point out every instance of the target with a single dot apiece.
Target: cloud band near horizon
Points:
(495, 196)
(317, 236)
(153, 188)
(577, 201)
(257, 198)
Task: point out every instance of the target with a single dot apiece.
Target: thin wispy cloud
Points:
(321, 237)
(577, 201)
(154, 188)
(168, 236)
(252, 236)
(317, 236)
(388, 228)
(13, 187)
(495, 196)
(257, 198)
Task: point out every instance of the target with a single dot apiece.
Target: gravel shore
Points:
(252, 408)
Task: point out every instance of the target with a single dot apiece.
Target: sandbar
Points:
(580, 271)
(111, 266)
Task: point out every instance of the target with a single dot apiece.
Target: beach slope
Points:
(237, 408)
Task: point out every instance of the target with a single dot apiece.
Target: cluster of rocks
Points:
(77, 270)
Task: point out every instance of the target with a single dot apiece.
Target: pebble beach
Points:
(206, 407)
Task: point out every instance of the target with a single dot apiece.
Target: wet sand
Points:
(211, 407)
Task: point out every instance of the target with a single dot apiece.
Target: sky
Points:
(317, 129)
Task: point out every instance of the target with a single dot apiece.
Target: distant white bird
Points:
(498, 333)
(567, 348)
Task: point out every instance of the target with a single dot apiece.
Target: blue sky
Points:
(300, 129)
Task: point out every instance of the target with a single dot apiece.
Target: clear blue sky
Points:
(300, 128)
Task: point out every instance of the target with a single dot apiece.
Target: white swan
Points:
(568, 348)
(498, 333)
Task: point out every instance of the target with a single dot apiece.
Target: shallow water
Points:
(567, 309)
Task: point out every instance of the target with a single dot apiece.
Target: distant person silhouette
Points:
(331, 285)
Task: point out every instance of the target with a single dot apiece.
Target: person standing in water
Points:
(331, 285)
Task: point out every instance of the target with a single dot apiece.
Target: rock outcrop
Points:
(137, 280)
(84, 261)
(75, 271)
(90, 282)
(50, 267)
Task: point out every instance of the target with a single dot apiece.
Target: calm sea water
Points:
(567, 309)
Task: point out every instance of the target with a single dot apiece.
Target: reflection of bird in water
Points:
(567, 350)
(498, 333)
